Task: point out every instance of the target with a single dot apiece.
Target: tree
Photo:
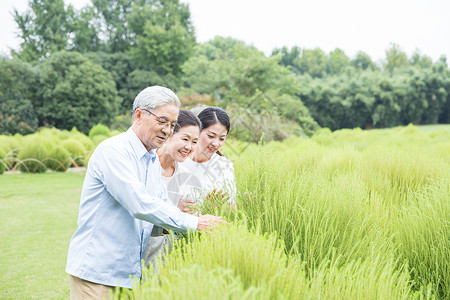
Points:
(337, 62)
(17, 88)
(17, 78)
(363, 61)
(44, 28)
(245, 80)
(120, 65)
(74, 92)
(395, 58)
(232, 69)
(312, 62)
(164, 35)
(422, 61)
(288, 58)
(86, 32)
(140, 79)
(163, 50)
(112, 15)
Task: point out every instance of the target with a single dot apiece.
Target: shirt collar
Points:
(138, 147)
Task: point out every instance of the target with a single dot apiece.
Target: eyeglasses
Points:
(162, 121)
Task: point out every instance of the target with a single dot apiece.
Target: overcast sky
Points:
(352, 25)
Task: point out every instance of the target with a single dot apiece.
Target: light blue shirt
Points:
(122, 197)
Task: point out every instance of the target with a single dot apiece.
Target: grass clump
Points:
(423, 235)
(2, 161)
(243, 262)
(99, 129)
(82, 138)
(31, 157)
(58, 159)
(76, 151)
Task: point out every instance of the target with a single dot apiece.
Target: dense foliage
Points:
(18, 83)
(152, 42)
(380, 99)
(75, 93)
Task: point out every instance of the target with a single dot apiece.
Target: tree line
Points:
(77, 68)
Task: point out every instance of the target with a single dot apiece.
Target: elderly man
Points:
(122, 198)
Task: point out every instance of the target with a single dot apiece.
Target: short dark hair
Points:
(187, 118)
(212, 115)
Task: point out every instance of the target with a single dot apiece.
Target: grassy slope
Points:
(38, 213)
(436, 127)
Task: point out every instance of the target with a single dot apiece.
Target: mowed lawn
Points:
(38, 214)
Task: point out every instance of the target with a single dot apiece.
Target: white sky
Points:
(351, 25)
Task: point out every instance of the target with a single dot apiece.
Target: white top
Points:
(156, 243)
(198, 179)
(193, 181)
(172, 185)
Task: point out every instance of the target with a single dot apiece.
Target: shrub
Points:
(11, 146)
(99, 129)
(9, 143)
(58, 159)
(76, 151)
(30, 158)
(82, 138)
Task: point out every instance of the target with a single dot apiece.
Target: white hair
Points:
(154, 96)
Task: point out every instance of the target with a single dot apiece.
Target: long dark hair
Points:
(212, 115)
(187, 118)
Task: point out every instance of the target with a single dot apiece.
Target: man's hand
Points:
(208, 222)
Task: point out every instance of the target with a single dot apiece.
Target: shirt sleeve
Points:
(122, 182)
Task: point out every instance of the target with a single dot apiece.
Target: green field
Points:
(345, 215)
(434, 128)
(39, 214)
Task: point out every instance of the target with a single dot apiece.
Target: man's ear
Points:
(138, 114)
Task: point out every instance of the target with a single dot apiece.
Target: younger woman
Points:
(212, 175)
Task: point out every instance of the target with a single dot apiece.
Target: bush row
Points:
(50, 148)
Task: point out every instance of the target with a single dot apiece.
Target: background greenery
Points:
(83, 67)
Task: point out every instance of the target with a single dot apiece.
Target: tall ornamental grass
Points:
(422, 233)
(236, 262)
(31, 157)
(350, 214)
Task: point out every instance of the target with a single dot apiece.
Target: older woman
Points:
(177, 148)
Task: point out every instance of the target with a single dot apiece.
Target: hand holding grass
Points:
(188, 206)
(218, 196)
(208, 222)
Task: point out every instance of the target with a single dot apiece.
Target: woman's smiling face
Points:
(183, 142)
(211, 140)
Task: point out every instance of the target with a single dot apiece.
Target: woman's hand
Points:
(187, 206)
(218, 195)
